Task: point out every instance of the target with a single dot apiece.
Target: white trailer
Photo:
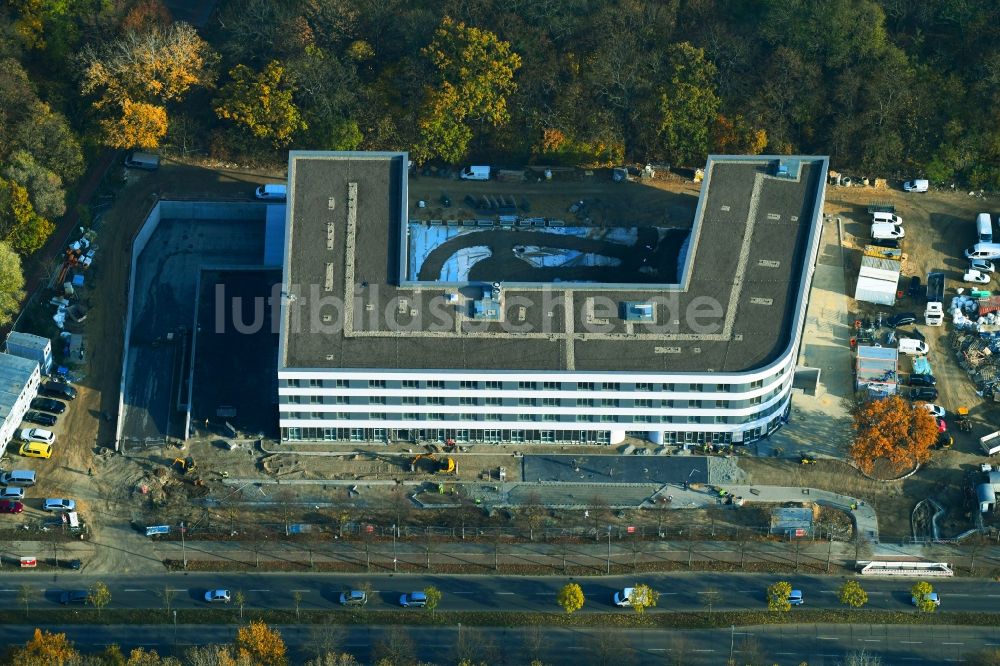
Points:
(991, 443)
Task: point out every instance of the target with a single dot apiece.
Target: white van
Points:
(146, 161)
(983, 251)
(913, 346)
(475, 173)
(18, 477)
(918, 185)
(272, 192)
(891, 218)
(884, 230)
(984, 227)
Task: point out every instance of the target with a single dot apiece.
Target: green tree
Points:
(21, 227)
(241, 599)
(643, 597)
(261, 103)
(921, 593)
(11, 284)
(99, 596)
(433, 598)
(44, 187)
(688, 106)
(852, 594)
(474, 74)
(570, 598)
(777, 596)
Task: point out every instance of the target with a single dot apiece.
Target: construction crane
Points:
(446, 466)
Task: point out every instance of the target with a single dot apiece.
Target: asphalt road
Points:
(788, 645)
(678, 592)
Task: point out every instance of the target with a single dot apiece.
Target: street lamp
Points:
(183, 546)
(175, 631)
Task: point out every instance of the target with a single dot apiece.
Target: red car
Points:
(10, 506)
(942, 426)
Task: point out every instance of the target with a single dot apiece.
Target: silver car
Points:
(12, 493)
(59, 505)
(219, 596)
(354, 598)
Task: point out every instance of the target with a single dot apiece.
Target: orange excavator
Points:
(445, 466)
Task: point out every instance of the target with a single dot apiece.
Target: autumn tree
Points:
(643, 597)
(11, 284)
(433, 598)
(852, 594)
(922, 599)
(736, 136)
(570, 598)
(21, 227)
(261, 103)
(777, 596)
(687, 107)
(99, 596)
(45, 648)
(473, 75)
(894, 429)
(135, 76)
(138, 125)
(261, 644)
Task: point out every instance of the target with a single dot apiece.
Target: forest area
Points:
(887, 88)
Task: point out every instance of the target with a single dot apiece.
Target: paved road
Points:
(490, 593)
(787, 645)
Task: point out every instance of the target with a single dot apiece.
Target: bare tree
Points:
(534, 643)
(297, 599)
(241, 600)
(167, 595)
(710, 598)
(25, 594)
(396, 646)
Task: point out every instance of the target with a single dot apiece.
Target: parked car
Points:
(40, 418)
(12, 493)
(35, 450)
(58, 390)
(923, 393)
(887, 230)
(913, 346)
(354, 598)
(922, 380)
(48, 405)
(59, 504)
(914, 291)
(415, 599)
(219, 596)
(795, 598)
(937, 411)
(73, 597)
(944, 441)
(38, 435)
(10, 506)
(885, 242)
(930, 596)
(942, 425)
(918, 185)
(982, 265)
(901, 319)
(976, 277)
(623, 598)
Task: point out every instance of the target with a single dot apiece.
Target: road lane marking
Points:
(702, 650)
(135, 590)
(373, 591)
(827, 638)
(180, 589)
(786, 654)
(955, 594)
(463, 592)
(912, 642)
(873, 640)
(952, 643)
(505, 593)
(258, 590)
(659, 650)
(8, 590)
(662, 594)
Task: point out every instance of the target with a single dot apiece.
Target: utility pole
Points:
(394, 560)
(609, 550)
(184, 556)
(732, 640)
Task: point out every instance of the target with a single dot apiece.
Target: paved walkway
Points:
(863, 515)
(819, 424)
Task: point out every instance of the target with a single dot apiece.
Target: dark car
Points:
(922, 380)
(901, 319)
(40, 418)
(923, 393)
(10, 506)
(73, 597)
(914, 290)
(48, 405)
(885, 242)
(58, 390)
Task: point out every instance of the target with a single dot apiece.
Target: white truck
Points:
(934, 310)
(991, 443)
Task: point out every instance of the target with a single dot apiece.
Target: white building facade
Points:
(19, 382)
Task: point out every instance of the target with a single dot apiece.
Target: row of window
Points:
(490, 401)
(525, 418)
(459, 435)
(521, 386)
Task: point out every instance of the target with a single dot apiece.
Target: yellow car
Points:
(36, 450)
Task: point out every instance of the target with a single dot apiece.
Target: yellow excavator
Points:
(184, 465)
(446, 466)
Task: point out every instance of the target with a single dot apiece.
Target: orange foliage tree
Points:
(261, 644)
(45, 648)
(139, 125)
(893, 429)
